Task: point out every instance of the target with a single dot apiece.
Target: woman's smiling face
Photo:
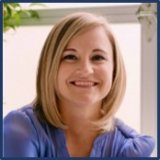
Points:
(86, 68)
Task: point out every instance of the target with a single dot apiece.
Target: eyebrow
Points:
(100, 50)
(94, 50)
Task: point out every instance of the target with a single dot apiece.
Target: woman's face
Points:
(86, 68)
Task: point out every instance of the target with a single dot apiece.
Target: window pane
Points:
(128, 36)
(74, 5)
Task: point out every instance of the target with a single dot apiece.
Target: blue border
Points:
(84, 1)
(1, 79)
(158, 87)
(76, 1)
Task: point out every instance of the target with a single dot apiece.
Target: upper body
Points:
(81, 82)
(25, 136)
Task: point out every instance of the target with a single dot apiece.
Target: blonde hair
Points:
(46, 102)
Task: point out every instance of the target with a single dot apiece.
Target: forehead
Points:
(90, 31)
(90, 38)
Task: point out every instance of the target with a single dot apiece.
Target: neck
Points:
(80, 134)
(77, 117)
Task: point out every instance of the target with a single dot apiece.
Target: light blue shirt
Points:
(25, 136)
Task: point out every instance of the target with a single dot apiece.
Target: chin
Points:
(86, 102)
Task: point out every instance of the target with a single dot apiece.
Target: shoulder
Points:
(131, 143)
(20, 119)
(19, 133)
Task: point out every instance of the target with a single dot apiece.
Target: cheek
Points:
(106, 74)
(61, 78)
(107, 79)
(63, 74)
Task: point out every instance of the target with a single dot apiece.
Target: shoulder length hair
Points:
(46, 101)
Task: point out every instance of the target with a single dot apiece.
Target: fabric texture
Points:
(25, 136)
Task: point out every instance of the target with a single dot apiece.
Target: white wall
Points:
(129, 39)
(21, 51)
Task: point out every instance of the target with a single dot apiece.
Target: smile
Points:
(84, 83)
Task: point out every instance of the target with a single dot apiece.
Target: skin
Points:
(84, 79)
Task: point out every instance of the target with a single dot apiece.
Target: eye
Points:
(70, 57)
(98, 58)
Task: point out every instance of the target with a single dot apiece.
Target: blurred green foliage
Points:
(13, 13)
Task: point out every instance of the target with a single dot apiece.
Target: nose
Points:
(85, 67)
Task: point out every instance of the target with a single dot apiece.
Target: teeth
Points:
(85, 84)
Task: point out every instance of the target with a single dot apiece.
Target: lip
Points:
(84, 83)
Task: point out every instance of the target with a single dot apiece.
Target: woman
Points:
(80, 85)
